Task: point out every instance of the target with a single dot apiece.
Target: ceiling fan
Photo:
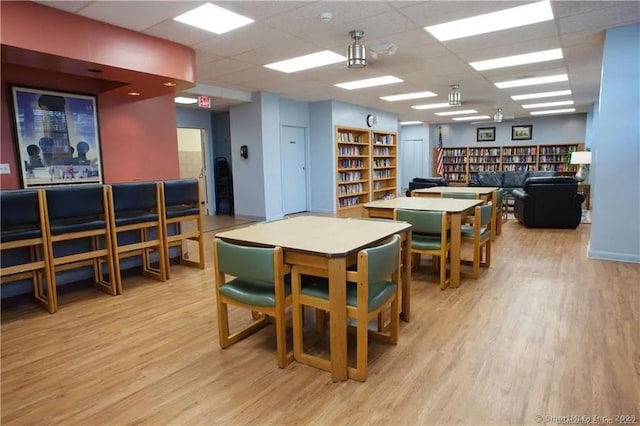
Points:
(498, 117)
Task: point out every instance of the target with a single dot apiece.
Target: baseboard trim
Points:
(615, 257)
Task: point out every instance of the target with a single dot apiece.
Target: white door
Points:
(413, 160)
(294, 173)
(192, 145)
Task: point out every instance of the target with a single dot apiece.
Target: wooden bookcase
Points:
(353, 171)
(384, 165)
(461, 163)
(454, 163)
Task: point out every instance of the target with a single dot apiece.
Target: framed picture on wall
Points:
(486, 134)
(57, 137)
(519, 133)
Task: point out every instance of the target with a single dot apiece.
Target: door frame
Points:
(206, 166)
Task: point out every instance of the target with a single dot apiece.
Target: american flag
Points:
(440, 167)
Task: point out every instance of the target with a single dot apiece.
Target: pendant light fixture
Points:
(497, 117)
(356, 52)
(454, 95)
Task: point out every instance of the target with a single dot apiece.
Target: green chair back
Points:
(422, 222)
(485, 214)
(254, 264)
(461, 195)
(383, 259)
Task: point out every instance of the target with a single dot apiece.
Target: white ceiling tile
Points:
(210, 70)
(178, 33)
(613, 16)
(67, 6)
(242, 40)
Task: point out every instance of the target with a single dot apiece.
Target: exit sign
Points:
(204, 101)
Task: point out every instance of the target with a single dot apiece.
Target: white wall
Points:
(245, 122)
(322, 157)
(615, 177)
(270, 106)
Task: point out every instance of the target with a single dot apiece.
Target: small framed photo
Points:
(519, 133)
(486, 134)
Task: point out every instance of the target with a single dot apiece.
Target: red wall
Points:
(138, 137)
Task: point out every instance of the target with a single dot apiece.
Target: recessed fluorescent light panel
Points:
(475, 117)
(553, 111)
(213, 18)
(369, 82)
(409, 123)
(184, 100)
(541, 95)
(314, 60)
(459, 112)
(547, 104)
(408, 96)
(432, 106)
(510, 61)
(495, 21)
(532, 81)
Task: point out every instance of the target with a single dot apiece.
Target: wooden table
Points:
(331, 244)
(454, 207)
(485, 193)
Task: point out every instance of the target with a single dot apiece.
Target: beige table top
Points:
(329, 236)
(482, 190)
(450, 205)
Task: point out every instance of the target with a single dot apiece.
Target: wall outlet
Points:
(5, 169)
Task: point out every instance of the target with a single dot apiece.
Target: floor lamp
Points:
(583, 159)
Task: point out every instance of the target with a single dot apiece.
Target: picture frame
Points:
(519, 133)
(57, 137)
(485, 134)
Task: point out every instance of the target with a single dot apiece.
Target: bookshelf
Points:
(353, 156)
(384, 166)
(454, 164)
(461, 163)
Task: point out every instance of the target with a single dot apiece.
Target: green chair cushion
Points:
(254, 292)
(379, 292)
(468, 232)
(426, 242)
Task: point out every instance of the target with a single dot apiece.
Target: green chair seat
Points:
(426, 242)
(254, 293)
(468, 232)
(379, 292)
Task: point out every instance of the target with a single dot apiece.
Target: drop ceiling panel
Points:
(136, 15)
(613, 16)
(439, 12)
(503, 38)
(178, 32)
(214, 69)
(242, 40)
(67, 6)
(494, 52)
(260, 10)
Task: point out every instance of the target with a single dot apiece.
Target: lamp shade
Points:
(581, 157)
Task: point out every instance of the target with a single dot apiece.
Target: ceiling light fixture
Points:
(300, 63)
(184, 100)
(409, 123)
(356, 52)
(547, 104)
(133, 93)
(532, 81)
(454, 96)
(432, 106)
(497, 117)
(553, 111)
(476, 117)
(169, 84)
(213, 18)
(369, 82)
(541, 95)
(408, 96)
(510, 61)
(458, 112)
(495, 21)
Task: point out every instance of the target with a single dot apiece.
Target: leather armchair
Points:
(549, 202)
(419, 183)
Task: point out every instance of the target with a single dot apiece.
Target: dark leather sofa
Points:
(418, 183)
(548, 202)
(506, 180)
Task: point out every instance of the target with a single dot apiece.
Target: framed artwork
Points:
(521, 132)
(57, 137)
(486, 134)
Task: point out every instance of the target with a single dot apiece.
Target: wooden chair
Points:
(501, 211)
(23, 244)
(430, 235)
(259, 286)
(479, 234)
(136, 227)
(78, 233)
(182, 220)
(371, 289)
(463, 196)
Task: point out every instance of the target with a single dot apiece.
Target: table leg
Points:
(494, 218)
(456, 241)
(338, 312)
(406, 276)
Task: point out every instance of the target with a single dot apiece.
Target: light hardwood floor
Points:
(544, 331)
